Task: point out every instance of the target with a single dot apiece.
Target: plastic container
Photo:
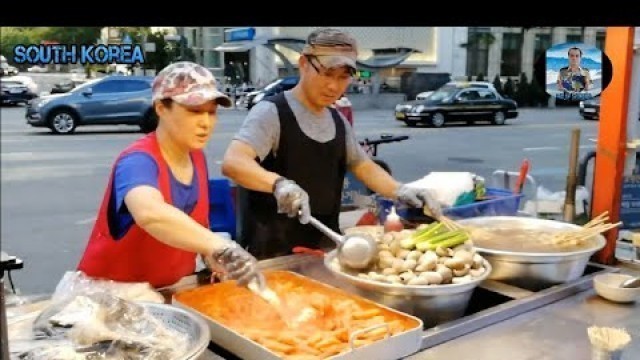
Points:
(501, 202)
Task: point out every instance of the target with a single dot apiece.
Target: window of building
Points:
(511, 49)
(543, 42)
(600, 37)
(574, 38)
(194, 38)
(478, 42)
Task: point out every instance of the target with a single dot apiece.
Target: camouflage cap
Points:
(189, 84)
(332, 47)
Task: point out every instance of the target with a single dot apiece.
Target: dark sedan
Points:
(15, 92)
(590, 109)
(65, 86)
(457, 103)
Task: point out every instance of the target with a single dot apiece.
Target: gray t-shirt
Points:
(261, 129)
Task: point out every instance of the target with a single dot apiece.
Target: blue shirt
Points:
(138, 169)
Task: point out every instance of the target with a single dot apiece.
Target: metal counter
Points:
(555, 329)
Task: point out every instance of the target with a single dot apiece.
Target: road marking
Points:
(555, 148)
(60, 155)
(39, 173)
(85, 221)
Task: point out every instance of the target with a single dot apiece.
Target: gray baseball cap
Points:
(332, 47)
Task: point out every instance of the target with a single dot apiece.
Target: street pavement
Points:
(51, 186)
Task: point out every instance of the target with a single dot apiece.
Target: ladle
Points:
(631, 283)
(357, 250)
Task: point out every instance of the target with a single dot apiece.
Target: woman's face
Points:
(323, 86)
(188, 126)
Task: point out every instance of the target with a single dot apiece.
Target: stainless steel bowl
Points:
(433, 304)
(534, 271)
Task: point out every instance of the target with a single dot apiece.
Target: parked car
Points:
(273, 88)
(66, 86)
(15, 92)
(8, 70)
(480, 84)
(590, 109)
(24, 80)
(38, 69)
(104, 101)
(458, 102)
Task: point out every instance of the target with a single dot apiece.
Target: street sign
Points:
(126, 39)
(239, 34)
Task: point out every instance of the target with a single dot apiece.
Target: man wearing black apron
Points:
(291, 154)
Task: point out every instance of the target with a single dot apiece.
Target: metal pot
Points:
(433, 304)
(534, 271)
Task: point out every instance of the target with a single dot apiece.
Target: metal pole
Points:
(4, 332)
(612, 136)
(569, 210)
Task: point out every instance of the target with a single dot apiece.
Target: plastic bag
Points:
(551, 203)
(109, 327)
(77, 283)
(451, 188)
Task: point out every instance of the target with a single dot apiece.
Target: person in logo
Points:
(292, 152)
(154, 217)
(574, 78)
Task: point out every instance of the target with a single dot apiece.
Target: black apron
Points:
(318, 168)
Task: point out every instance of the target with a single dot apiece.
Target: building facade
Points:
(510, 51)
(439, 50)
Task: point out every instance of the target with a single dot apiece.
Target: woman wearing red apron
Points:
(153, 220)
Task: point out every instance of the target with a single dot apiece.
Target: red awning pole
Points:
(612, 135)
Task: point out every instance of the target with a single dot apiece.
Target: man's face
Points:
(574, 57)
(323, 86)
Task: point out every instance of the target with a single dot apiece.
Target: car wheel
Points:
(411, 123)
(499, 118)
(150, 122)
(438, 120)
(63, 122)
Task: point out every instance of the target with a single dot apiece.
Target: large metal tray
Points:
(391, 347)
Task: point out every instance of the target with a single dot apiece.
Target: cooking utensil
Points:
(261, 289)
(393, 347)
(356, 251)
(569, 210)
(433, 304)
(631, 283)
(524, 170)
(530, 270)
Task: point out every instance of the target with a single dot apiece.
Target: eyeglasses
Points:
(325, 72)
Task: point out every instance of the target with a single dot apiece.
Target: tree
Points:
(12, 36)
(498, 85)
(522, 92)
(160, 58)
(73, 35)
(509, 89)
(538, 94)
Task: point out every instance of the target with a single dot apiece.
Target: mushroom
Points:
(402, 254)
(385, 262)
(407, 276)
(433, 277)
(461, 272)
(477, 272)
(390, 271)
(414, 255)
(418, 281)
(478, 261)
(426, 266)
(446, 273)
(385, 253)
(462, 279)
(428, 256)
(455, 263)
(464, 255)
(409, 264)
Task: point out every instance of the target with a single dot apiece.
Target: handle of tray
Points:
(354, 335)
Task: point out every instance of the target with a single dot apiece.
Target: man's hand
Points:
(419, 197)
(237, 264)
(292, 200)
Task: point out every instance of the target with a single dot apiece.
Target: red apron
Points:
(137, 256)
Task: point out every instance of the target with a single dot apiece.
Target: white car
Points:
(26, 80)
(479, 84)
(37, 69)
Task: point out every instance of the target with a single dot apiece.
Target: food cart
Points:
(503, 319)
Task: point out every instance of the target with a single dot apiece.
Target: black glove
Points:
(292, 199)
(419, 197)
(238, 264)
